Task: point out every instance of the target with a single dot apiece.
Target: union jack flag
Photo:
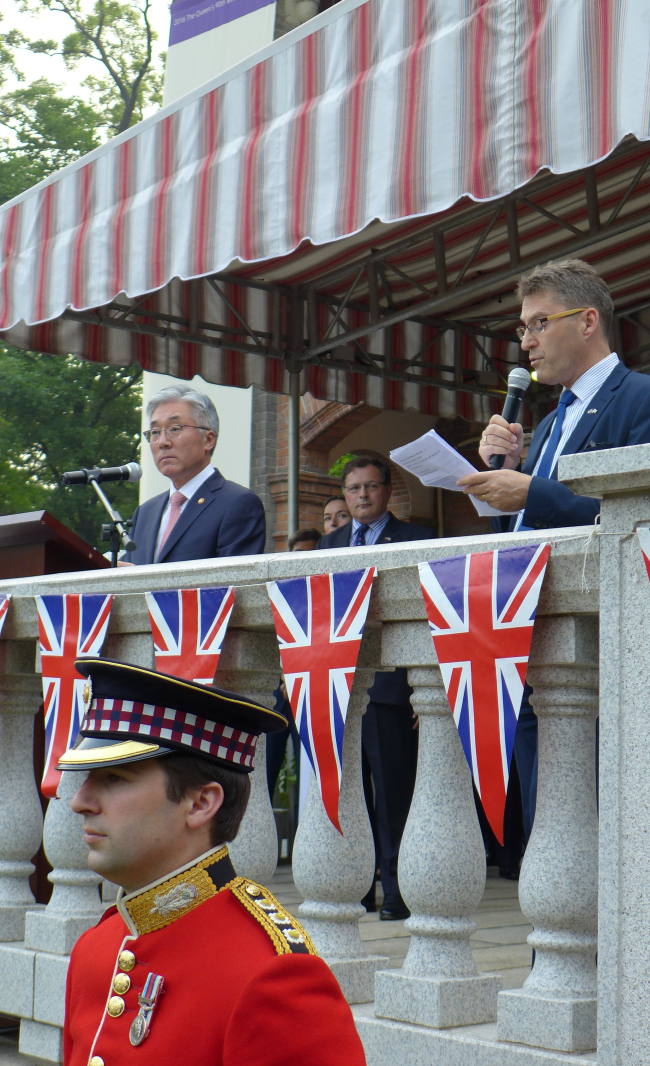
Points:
(188, 628)
(5, 600)
(319, 623)
(481, 611)
(69, 627)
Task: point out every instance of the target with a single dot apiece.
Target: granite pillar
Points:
(334, 872)
(21, 818)
(621, 478)
(250, 665)
(558, 885)
(441, 863)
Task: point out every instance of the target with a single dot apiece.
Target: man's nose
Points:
(83, 800)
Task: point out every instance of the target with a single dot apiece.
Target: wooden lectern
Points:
(36, 543)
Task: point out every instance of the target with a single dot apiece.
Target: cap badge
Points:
(87, 694)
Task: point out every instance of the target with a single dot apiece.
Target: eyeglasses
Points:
(371, 486)
(537, 324)
(171, 432)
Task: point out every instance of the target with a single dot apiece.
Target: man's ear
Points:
(203, 804)
(592, 321)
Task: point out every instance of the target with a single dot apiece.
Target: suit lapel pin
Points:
(592, 411)
(202, 500)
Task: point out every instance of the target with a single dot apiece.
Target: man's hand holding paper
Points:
(504, 490)
(436, 463)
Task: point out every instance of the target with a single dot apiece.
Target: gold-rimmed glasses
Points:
(536, 325)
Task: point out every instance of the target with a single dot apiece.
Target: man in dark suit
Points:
(389, 730)
(567, 313)
(203, 516)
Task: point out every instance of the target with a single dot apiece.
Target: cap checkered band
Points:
(166, 723)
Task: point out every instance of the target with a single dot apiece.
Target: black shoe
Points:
(393, 909)
(369, 901)
(509, 873)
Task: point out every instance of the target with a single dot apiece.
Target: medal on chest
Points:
(147, 1001)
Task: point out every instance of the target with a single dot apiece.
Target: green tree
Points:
(120, 39)
(49, 131)
(61, 414)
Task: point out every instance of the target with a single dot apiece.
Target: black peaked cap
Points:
(122, 681)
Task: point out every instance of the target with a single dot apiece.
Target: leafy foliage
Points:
(337, 468)
(49, 131)
(119, 37)
(61, 414)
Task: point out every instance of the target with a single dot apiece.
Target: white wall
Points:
(233, 452)
(192, 62)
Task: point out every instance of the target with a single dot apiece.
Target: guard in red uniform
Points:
(194, 966)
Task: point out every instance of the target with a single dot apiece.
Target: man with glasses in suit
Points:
(566, 315)
(202, 516)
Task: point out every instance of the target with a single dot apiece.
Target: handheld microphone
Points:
(518, 382)
(130, 472)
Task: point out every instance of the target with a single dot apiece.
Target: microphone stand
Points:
(117, 529)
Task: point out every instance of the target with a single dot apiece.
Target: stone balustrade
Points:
(585, 874)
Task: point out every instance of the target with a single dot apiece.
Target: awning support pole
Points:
(293, 489)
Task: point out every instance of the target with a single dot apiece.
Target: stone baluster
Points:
(21, 818)
(621, 478)
(334, 872)
(51, 934)
(558, 886)
(250, 665)
(441, 862)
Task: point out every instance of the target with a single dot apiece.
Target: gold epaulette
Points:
(287, 935)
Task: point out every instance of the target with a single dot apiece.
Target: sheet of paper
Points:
(439, 465)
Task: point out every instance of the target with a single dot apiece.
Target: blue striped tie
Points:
(547, 464)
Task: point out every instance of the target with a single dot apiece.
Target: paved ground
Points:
(498, 945)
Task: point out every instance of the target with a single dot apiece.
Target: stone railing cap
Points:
(610, 472)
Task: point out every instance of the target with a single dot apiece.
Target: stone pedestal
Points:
(21, 818)
(250, 665)
(334, 872)
(75, 904)
(621, 478)
(441, 864)
(558, 886)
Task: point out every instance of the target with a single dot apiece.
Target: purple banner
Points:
(189, 18)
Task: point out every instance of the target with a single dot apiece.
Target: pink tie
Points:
(176, 502)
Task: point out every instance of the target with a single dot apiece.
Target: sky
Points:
(55, 25)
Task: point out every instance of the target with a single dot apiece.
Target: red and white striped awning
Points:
(353, 129)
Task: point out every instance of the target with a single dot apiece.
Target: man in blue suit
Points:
(567, 314)
(203, 516)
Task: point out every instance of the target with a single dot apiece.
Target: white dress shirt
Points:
(189, 489)
(585, 388)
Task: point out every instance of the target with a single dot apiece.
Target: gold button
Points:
(121, 983)
(126, 960)
(115, 1006)
(253, 890)
(96, 1061)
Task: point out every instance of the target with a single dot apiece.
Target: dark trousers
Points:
(390, 745)
(276, 747)
(526, 758)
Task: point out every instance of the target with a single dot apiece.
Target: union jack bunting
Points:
(5, 600)
(644, 544)
(319, 623)
(481, 611)
(188, 628)
(69, 627)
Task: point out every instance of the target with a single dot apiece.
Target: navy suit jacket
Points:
(228, 520)
(390, 688)
(618, 415)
